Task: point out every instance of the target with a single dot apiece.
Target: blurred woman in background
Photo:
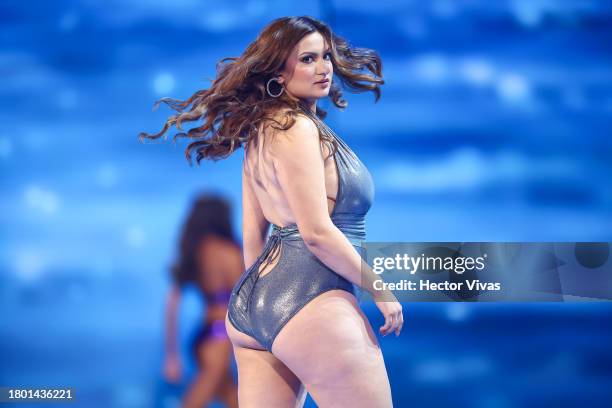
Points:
(209, 258)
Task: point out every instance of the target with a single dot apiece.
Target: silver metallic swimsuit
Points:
(260, 306)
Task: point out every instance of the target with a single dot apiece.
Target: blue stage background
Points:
(494, 125)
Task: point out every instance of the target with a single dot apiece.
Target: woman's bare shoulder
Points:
(290, 119)
(288, 134)
(294, 129)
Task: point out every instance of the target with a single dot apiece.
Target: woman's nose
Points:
(323, 68)
(323, 73)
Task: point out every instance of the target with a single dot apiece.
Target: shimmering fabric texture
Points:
(260, 306)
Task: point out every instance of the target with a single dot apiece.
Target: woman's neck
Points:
(311, 105)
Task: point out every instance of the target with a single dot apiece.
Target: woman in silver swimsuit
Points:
(293, 317)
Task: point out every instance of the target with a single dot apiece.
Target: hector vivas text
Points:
(412, 264)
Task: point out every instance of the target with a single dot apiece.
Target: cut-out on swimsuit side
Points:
(260, 306)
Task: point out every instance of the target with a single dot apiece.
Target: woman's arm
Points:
(254, 224)
(299, 165)
(172, 306)
(172, 366)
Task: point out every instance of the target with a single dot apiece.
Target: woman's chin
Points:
(314, 96)
(321, 94)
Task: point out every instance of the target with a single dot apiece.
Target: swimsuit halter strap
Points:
(344, 152)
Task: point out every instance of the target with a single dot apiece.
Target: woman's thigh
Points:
(331, 347)
(264, 381)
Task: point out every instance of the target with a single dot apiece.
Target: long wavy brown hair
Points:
(237, 104)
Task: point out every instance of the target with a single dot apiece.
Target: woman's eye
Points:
(307, 59)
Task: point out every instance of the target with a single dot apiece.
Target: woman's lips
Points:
(325, 81)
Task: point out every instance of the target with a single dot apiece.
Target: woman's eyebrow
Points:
(314, 53)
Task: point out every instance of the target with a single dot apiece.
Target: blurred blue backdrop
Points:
(494, 125)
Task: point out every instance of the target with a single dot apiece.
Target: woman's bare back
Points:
(219, 264)
(261, 176)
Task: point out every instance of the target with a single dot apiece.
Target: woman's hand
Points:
(172, 369)
(392, 311)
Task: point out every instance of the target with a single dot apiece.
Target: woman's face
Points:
(307, 65)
